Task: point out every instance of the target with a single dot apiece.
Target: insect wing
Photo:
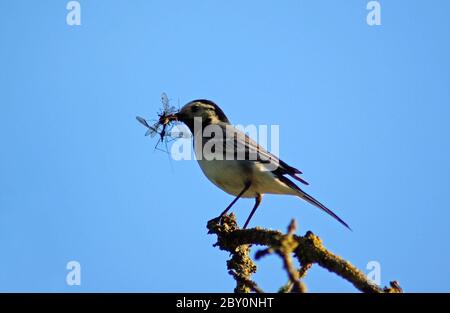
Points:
(143, 121)
(165, 101)
(153, 130)
(171, 110)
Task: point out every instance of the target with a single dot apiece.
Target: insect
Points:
(163, 115)
(160, 126)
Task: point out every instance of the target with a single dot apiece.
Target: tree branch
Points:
(308, 249)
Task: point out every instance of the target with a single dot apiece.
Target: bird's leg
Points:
(257, 203)
(247, 185)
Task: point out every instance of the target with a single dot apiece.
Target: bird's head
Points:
(205, 110)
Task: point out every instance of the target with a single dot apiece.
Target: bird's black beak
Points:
(173, 117)
(166, 119)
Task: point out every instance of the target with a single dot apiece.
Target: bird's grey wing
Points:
(242, 141)
(242, 144)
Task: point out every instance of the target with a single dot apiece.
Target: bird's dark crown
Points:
(219, 113)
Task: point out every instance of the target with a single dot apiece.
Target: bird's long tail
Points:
(316, 203)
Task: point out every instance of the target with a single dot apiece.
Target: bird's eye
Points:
(195, 108)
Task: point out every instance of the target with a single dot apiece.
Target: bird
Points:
(252, 175)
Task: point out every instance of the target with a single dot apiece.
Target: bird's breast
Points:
(229, 175)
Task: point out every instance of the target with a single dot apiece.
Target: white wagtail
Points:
(253, 174)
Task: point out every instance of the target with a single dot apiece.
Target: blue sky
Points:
(363, 112)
